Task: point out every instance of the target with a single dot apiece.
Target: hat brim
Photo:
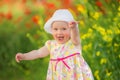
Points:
(48, 24)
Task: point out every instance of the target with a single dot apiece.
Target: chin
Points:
(61, 42)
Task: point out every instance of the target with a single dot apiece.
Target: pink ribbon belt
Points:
(62, 59)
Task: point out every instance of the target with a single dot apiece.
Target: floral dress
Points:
(66, 62)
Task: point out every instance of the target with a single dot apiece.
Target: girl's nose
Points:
(59, 31)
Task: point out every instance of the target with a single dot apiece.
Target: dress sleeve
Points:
(48, 44)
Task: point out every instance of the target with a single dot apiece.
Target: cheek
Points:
(67, 34)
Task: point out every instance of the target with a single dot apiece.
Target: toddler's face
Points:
(61, 31)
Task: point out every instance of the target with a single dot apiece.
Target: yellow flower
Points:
(97, 74)
(117, 31)
(89, 34)
(108, 73)
(116, 45)
(98, 53)
(28, 35)
(85, 1)
(86, 47)
(83, 36)
(81, 8)
(89, 45)
(103, 61)
(96, 15)
(118, 14)
(82, 23)
(109, 31)
(115, 19)
(119, 55)
(101, 30)
(107, 38)
(119, 8)
(95, 26)
(97, 77)
(39, 22)
(90, 30)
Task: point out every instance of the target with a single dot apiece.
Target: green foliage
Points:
(100, 37)
(14, 38)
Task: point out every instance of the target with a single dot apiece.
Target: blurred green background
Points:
(21, 30)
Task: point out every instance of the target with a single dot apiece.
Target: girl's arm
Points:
(42, 52)
(75, 37)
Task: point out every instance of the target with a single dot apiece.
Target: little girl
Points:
(66, 61)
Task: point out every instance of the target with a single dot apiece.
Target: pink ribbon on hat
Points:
(62, 59)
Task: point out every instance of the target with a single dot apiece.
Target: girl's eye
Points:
(55, 29)
(63, 28)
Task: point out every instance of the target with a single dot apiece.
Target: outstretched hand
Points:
(19, 57)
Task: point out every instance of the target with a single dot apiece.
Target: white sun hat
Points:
(59, 15)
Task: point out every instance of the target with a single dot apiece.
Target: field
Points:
(22, 30)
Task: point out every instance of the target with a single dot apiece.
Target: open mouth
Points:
(60, 38)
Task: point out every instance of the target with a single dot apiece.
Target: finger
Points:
(74, 22)
(17, 59)
(71, 23)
